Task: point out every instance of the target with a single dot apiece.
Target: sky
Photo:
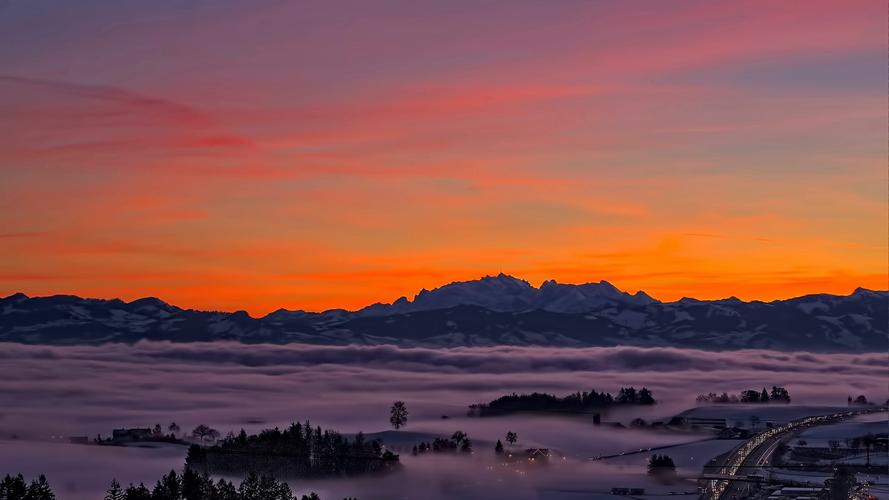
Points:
(254, 155)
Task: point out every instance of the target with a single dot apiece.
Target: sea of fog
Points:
(50, 393)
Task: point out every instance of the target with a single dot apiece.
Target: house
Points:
(131, 435)
(530, 455)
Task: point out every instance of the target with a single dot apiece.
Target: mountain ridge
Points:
(493, 310)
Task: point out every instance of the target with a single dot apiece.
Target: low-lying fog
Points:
(66, 391)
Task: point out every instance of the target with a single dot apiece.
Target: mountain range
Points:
(494, 310)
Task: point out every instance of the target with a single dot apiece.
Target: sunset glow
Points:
(241, 157)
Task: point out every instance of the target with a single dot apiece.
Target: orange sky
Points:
(318, 155)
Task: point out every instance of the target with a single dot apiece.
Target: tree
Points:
(203, 432)
(661, 465)
(13, 488)
(498, 448)
(645, 397)
(167, 488)
(868, 441)
(801, 442)
(841, 484)
(860, 400)
(466, 445)
(311, 496)
(39, 490)
(173, 428)
(398, 415)
(780, 394)
(512, 437)
(225, 490)
(115, 492)
(137, 493)
(750, 396)
(764, 396)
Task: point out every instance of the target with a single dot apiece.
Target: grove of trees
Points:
(661, 465)
(16, 488)
(777, 395)
(459, 442)
(298, 451)
(577, 402)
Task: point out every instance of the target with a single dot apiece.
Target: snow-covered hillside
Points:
(494, 310)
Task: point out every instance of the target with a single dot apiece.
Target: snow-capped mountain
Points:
(504, 293)
(494, 310)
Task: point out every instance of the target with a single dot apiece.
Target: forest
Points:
(298, 451)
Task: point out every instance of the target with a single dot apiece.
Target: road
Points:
(757, 452)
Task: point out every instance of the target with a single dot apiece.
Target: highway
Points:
(757, 452)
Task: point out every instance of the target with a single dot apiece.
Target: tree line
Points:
(459, 442)
(778, 395)
(575, 402)
(298, 451)
(189, 485)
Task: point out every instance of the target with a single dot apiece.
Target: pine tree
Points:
(137, 493)
(13, 488)
(498, 448)
(115, 492)
(39, 490)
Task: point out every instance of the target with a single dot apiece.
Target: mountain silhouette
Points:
(493, 310)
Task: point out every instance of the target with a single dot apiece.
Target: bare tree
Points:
(203, 432)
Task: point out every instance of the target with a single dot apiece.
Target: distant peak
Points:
(17, 297)
(861, 291)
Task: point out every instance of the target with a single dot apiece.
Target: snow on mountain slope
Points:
(489, 311)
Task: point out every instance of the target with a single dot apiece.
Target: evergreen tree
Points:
(645, 397)
(167, 488)
(661, 465)
(225, 490)
(194, 486)
(498, 448)
(115, 492)
(137, 493)
(764, 396)
(13, 488)
(39, 490)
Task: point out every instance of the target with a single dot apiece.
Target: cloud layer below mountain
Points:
(96, 387)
